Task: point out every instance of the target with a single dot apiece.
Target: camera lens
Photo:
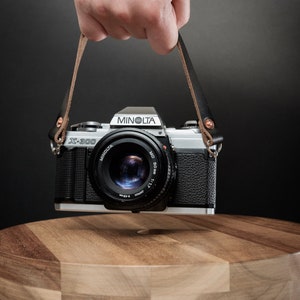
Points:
(129, 171)
(124, 167)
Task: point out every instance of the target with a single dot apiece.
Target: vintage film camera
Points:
(135, 163)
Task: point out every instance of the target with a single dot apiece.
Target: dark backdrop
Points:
(246, 54)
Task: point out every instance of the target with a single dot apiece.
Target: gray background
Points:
(246, 55)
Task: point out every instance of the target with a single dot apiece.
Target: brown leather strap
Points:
(206, 122)
(63, 118)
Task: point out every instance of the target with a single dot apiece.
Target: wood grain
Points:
(150, 256)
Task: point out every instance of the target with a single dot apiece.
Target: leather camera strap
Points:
(206, 123)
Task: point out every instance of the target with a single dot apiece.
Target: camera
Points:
(135, 164)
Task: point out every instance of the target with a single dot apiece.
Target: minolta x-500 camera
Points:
(135, 163)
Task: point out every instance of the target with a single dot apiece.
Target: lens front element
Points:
(130, 169)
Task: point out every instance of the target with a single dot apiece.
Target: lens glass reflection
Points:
(129, 171)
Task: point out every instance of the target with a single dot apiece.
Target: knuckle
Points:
(123, 17)
(100, 9)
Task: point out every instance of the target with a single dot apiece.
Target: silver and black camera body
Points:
(135, 164)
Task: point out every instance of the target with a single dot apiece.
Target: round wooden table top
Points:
(151, 256)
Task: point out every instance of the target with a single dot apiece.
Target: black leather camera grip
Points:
(210, 134)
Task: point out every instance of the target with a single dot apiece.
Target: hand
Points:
(155, 20)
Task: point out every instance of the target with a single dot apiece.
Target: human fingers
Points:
(113, 15)
(162, 31)
(156, 20)
(88, 25)
(182, 11)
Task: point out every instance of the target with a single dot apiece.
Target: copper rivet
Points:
(209, 124)
(59, 122)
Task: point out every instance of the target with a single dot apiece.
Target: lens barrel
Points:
(130, 169)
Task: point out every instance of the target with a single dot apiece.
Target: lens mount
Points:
(131, 169)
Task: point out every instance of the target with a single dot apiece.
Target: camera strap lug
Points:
(211, 136)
